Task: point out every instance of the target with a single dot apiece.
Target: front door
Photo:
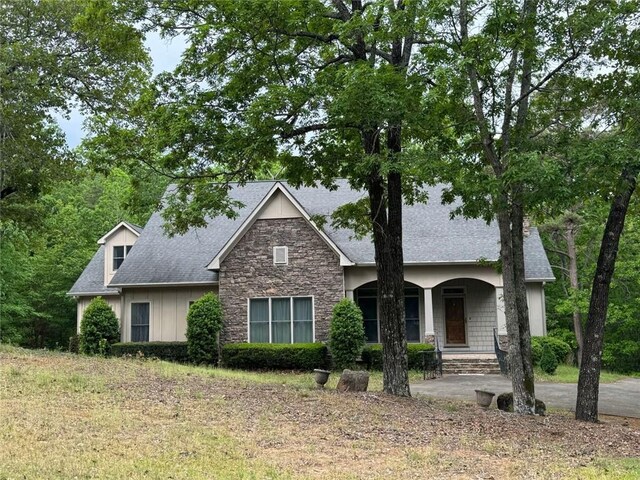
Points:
(454, 321)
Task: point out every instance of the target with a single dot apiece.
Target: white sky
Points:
(165, 55)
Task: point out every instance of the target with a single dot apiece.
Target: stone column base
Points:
(430, 339)
(503, 340)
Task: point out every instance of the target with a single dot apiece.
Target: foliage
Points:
(622, 355)
(40, 263)
(57, 56)
(560, 349)
(99, 328)
(346, 334)
(548, 361)
(372, 355)
(204, 322)
(171, 351)
(275, 356)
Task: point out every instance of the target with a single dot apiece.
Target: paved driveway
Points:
(619, 398)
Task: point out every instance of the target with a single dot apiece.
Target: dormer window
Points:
(280, 255)
(119, 254)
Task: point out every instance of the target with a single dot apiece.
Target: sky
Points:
(165, 54)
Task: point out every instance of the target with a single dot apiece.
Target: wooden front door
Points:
(454, 321)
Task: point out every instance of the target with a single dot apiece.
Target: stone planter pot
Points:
(321, 377)
(484, 398)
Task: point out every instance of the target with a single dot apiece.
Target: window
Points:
(367, 300)
(119, 254)
(281, 320)
(140, 322)
(280, 255)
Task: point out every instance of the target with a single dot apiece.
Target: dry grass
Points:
(64, 416)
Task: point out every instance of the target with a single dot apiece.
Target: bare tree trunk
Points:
(570, 236)
(589, 379)
(515, 301)
(386, 218)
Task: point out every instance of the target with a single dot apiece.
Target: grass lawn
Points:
(569, 374)
(65, 416)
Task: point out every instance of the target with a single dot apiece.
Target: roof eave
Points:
(129, 227)
(164, 284)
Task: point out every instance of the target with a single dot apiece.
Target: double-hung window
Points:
(281, 320)
(119, 254)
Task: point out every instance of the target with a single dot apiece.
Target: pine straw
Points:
(65, 416)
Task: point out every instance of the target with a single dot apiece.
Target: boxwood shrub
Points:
(372, 355)
(172, 351)
(560, 348)
(274, 356)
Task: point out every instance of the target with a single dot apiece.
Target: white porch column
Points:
(349, 294)
(429, 330)
(501, 318)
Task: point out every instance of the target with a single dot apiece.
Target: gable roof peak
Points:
(133, 228)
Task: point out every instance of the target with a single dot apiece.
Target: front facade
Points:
(278, 275)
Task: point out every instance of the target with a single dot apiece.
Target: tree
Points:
(515, 56)
(327, 89)
(54, 56)
(204, 322)
(99, 328)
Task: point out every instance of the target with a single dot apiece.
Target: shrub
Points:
(275, 356)
(346, 334)
(204, 322)
(372, 355)
(171, 351)
(74, 344)
(549, 361)
(99, 328)
(559, 348)
(536, 351)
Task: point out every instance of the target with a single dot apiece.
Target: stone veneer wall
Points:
(248, 272)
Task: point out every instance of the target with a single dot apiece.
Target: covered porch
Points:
(461, 313)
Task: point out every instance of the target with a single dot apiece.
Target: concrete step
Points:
(470, 366)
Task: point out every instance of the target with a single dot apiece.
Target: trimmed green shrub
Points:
(560, 349)
(204, 322)
(99, 328)
(549, 361)
(74, 344)
(275, 356)
(171, 351)
(536, 351)
(346, 334)
(372, 355)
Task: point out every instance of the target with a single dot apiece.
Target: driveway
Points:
(619, 398)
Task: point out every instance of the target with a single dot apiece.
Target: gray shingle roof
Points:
(91, 280)
(429, 236)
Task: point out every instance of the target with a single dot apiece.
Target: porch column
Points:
(349, 294)
(500, 316)
(429, 330)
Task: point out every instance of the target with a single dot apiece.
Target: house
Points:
(279, 275)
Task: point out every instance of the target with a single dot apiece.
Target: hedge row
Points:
(266, 356)
(275, 356)
(172, 351)
(372, 355)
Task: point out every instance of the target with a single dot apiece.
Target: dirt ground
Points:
(289, 431)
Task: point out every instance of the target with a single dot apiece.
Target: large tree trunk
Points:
(511, 254)
(589, 379)
(570, 236)
(386, 219)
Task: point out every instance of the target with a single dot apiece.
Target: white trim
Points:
(170, 284)
(290, 297)
(103, 239)
(286, 255)
(248, 223)
(429, 326)
(92, 294)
